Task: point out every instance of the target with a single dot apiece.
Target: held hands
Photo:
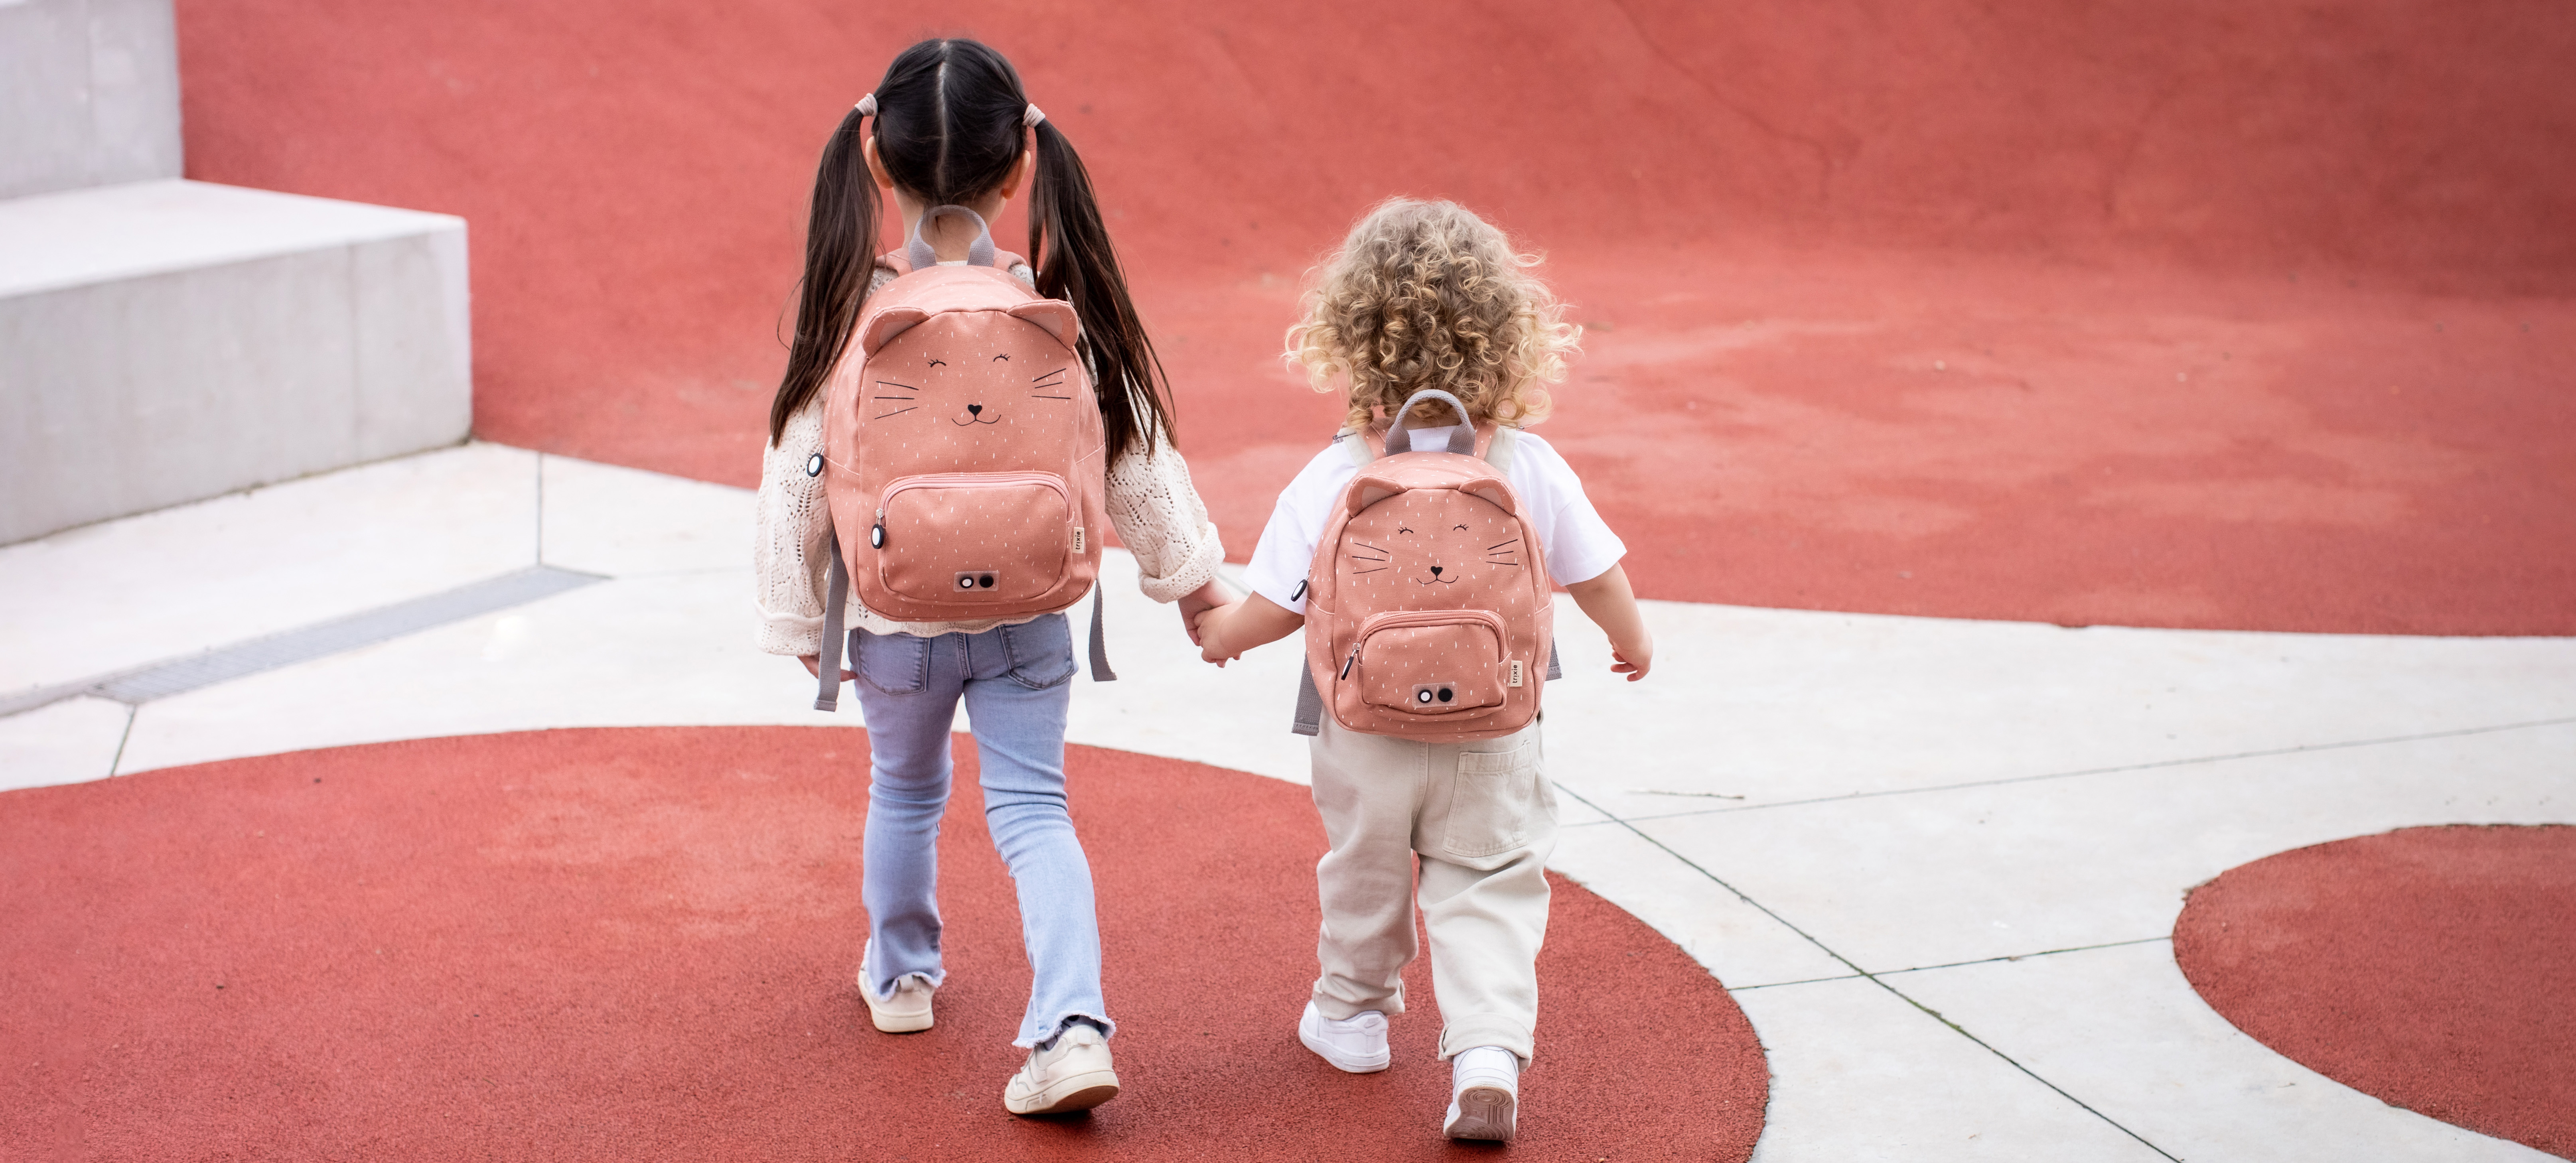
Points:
(1196, 603)
(1209, 635)
(1224, 633)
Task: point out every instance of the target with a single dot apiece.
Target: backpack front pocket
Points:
(965, 537)
(1429, 662)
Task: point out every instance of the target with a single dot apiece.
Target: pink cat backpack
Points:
(962, 453)
(1428, 611)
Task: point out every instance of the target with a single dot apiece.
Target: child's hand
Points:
(814, 666)
(1198, 602)
(1227, 631)
(1613, 607)
(1208, 634)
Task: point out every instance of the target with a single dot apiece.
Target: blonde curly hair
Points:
(1427, 295)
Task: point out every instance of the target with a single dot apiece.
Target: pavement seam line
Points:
(1866, 975)
(1800, 981)
(2301, 749)
(1953, 964)
(123, 737)
(1962, 1031)
(2019, 956)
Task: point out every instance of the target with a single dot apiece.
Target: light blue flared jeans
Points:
(1017, 682)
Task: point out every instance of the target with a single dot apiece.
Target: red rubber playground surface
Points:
(639, 944)
(2433, 968)
(2195, 314)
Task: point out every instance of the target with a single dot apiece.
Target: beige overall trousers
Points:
(1483, 820)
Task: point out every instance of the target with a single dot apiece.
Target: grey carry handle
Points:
(978, 253)
(836, 589)
(1462, 439)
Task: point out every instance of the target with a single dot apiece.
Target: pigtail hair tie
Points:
(1030, 119)
(868, 105)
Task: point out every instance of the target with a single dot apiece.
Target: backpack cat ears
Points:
(1369, 488)
(1053, 316)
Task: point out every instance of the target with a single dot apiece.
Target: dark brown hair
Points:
(948, 129)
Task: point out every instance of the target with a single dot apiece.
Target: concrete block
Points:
(163, 342)
(399, 347)
(89, 94)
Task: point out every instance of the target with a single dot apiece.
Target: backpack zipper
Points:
(961, 480)
(1399, 619)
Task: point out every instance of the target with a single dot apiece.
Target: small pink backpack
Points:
(962, 453)
(1428, 613)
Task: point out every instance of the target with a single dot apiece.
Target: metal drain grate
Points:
(178, 676)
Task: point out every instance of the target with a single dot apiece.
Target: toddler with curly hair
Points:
(1427, 296)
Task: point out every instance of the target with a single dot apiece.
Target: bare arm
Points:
(1227, 631)
(1613, 607)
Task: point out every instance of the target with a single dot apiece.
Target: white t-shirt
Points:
(1579, 547)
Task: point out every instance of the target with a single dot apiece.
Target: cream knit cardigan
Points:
(1151, 503)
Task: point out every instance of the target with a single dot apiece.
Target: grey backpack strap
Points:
(1100, 671)
(827, 670)
(1462, 439)
(1310, 705)
(1507, 440)
(1555, 669)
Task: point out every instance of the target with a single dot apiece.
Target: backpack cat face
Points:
(971, 381)
(1438, 547)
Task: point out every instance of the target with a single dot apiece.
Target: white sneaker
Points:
(1484, 1094)
(907, 1012)
(1357, 1045)
(1071, 1075)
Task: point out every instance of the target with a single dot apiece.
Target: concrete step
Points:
(167, 341)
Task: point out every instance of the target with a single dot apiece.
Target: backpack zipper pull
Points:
(876, 536)
(1349, 662)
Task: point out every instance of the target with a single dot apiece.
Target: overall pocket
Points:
(974, 537)
(1491, 802)
(1429, 662)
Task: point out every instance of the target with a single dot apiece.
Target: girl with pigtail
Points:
(952, 137)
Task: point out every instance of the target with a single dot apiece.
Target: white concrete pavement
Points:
(1937, 861)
